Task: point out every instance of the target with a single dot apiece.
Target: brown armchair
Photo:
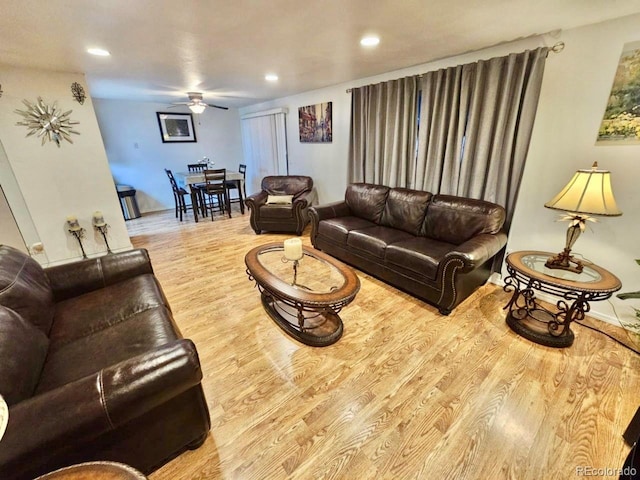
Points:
(93, 366)
(282, 217)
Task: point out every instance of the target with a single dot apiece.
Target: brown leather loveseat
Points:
(93, 366)
(291, 216)
(439, 248)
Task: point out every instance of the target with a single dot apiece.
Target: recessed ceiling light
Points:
(271, 77)
(98, 51)
(370, 41)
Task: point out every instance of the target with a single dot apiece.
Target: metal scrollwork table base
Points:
(532, 320)
(304, 297)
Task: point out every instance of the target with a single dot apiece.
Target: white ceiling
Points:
(160, 49)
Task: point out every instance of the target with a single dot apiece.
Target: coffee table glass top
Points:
(314, 274)
(536, 261)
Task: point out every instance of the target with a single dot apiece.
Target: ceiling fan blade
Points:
(217, 106)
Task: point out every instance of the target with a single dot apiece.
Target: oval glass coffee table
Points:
(304, 297)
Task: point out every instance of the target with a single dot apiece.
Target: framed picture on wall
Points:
(621, 121)
(314, 122)
(176, 127)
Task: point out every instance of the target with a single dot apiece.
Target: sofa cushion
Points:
(418, 254)
(23, 348)
(134, 335)
(276, 211)
(366, 201)
(25, 288)
(374, 240)
(336, 229)
(405, 209)
(457, 219)
(92, 312)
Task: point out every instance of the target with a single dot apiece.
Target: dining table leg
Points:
(195, 204)
(239, 183)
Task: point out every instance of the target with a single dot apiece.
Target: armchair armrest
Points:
(255, 200)
(51, 424)
(477, 250)
(73, 279)
(305, 199)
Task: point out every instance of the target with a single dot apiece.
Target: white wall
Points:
(57, 182)
(574, 95)
(137, 156)
(575, 89)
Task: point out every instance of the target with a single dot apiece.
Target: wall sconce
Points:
(78, 93)
(77, 231)
(100, 225)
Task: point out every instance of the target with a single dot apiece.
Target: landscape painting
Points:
(621, 122)
(315, 123)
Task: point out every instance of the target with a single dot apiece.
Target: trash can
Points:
(128, 202)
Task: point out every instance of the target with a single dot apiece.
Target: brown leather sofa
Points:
(291, 217)
(438, 248)
(93, 366)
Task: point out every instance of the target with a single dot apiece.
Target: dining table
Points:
(186, 179)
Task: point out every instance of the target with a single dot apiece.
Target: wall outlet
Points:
(37, 248)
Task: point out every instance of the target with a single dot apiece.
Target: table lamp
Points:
(588, 193)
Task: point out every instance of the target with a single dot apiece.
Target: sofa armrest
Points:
(53, 423)
(73, 279)
(330, 210)
(477, 250)
(323, 212)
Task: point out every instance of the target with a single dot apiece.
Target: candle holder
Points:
(295, 270)
(78, 232)
(293, 253)
(103, 230)
(100, 225)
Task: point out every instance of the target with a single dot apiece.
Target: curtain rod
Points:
(557, 48)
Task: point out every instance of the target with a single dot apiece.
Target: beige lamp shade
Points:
(589, 192)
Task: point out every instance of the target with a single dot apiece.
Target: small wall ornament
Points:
(78, 93)
(47, 121)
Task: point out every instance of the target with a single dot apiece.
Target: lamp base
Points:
(564, 261)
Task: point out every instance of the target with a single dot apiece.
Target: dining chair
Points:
(235, 184)
(215, 188)
(198, 167)
(178, 195)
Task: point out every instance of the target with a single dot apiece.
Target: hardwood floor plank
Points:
(405, 393)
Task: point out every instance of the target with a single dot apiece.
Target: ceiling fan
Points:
(195, 103)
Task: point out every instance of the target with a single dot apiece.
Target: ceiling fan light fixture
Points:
(197, 107)
(99, 52)
(370, 41)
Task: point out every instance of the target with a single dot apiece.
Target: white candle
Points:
(98, 219)
(293, 249)
(72, 222)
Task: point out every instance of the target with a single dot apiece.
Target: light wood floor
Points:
(406, 393)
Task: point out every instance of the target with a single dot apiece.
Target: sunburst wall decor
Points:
(47, 121)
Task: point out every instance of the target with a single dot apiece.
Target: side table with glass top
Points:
(532, 320)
